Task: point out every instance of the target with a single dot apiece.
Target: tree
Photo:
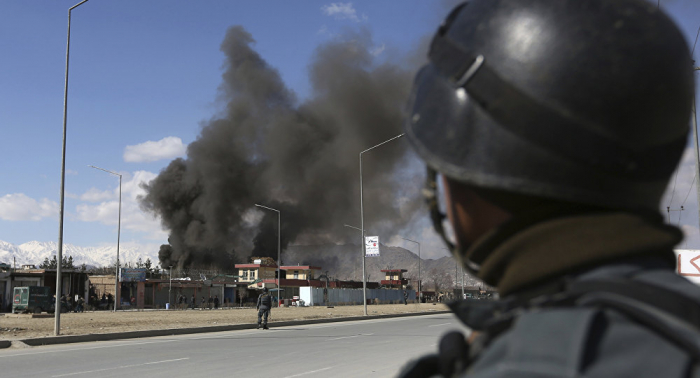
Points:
(438, 279)
(148, 266)
(49, 264)
(67, 263)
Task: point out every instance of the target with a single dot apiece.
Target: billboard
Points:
(372, 246)
(132, 274)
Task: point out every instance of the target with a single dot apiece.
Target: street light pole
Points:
(697, 150)
(362, 225)
(170, 289)
(279, 233)
(59, 252)
(358, 229)
(420, 283)
(117, 297)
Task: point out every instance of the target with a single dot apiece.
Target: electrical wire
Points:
(673, 192)
(691, 188)
(696, 42)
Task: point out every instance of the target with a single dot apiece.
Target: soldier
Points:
(263, 306)
(555, 127)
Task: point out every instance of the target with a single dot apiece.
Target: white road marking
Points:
(85, 348)
(120, 367)
(350, 337)
(438, 325)
(308, 372)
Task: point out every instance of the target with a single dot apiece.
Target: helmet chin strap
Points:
(437, 217)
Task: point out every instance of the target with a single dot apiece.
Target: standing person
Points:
(405, 297)
(263, 306)
(216, 302)
(79, 304)
(556, 126)
(194, 302)
(203, 304)
(210, 302)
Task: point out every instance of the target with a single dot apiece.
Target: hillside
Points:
(344, 262)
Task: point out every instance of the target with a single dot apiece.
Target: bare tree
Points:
(438, 279)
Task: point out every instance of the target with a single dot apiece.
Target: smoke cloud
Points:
(299, 158)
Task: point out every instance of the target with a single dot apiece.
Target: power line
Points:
(673, 192)
(691, 187)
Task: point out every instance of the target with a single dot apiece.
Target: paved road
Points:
(369, 348)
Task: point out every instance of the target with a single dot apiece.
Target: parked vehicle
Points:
(32, 299)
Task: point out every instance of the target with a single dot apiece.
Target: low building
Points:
(300, 272)
(256, 271)
(394, 278)
(74, 282)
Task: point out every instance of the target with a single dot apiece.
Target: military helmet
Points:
(580, 101)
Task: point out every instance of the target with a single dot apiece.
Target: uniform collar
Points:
(514, 259)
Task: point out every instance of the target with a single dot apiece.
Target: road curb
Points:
(186, 331)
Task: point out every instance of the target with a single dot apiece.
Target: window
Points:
(244, 274)
(296, 274)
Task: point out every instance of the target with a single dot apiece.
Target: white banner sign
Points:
(372, 246)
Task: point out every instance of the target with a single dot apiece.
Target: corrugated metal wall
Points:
(314, 296)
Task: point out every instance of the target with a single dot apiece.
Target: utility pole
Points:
(59, 252)
(697, 151)
(362, 226)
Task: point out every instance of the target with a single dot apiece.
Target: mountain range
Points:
(34, 252)
(338, 261)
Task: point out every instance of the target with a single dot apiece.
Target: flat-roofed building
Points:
(394, 278)
(256, 272)
(301, 272)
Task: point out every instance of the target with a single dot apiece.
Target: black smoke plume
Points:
(302, 159)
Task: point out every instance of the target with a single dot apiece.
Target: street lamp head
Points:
(106, 170)
(265, 207)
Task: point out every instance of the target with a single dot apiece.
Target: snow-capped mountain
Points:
(35, 252)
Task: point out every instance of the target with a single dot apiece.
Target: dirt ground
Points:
(14, 328)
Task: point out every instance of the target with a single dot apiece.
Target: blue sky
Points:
(144, 75)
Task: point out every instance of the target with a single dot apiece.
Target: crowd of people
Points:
(212, 303)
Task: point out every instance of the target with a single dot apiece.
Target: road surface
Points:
(369, 348)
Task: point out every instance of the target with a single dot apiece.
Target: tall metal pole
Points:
(420, 282)
(362, 226)
(117, 297)
(279, 234)
(279, 238)
(362, 243)
(358, 229)
(697, 151)
(59, 252)
(170, 289)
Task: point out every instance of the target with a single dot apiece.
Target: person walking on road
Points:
(554, 127)
(263, 306)
(405, 297)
